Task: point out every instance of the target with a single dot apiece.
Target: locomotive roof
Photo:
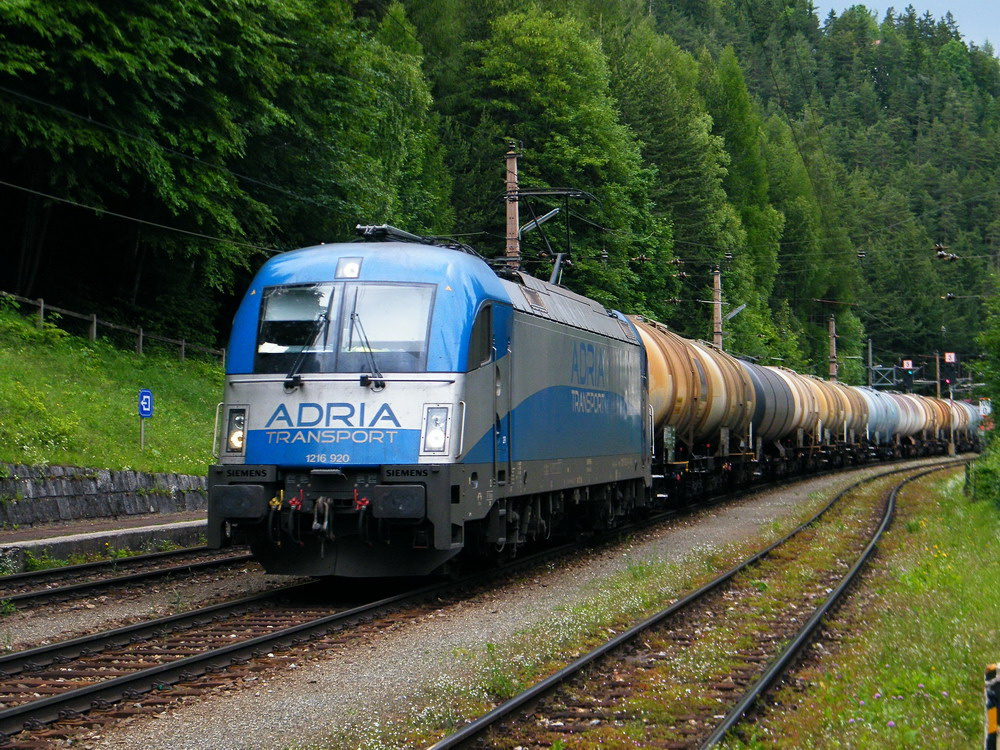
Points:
(437, 264)
(465, 281)
(539, 298)
(413, 261)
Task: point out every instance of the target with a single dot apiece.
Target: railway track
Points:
(78, 683)
(75, 581)
(66, 680)
(81, 683)
(612, 692)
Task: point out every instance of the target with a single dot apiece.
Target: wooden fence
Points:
(182, 346)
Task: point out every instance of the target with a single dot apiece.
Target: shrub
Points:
(984, 474)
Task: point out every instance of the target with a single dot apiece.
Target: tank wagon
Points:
(392, 404)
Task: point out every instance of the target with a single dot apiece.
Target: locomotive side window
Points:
(481, 342)
(387, 323)
(293, 319)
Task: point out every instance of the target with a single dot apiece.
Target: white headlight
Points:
(236, 441)
(436, 429)
(236, 431)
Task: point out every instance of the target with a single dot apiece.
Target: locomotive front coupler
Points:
(341, 490)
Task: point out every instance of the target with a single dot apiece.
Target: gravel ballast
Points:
(49, 623)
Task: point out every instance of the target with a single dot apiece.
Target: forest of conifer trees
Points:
(154, 153)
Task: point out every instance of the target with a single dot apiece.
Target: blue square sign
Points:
(145, 403)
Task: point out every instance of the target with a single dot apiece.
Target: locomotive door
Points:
(502, 388)
(645, 410)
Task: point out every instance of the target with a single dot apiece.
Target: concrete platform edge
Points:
(14, 555)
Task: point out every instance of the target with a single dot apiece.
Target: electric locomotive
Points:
(392, 402)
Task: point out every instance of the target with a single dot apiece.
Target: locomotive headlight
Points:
(436, 429)
(236, 431)
(348, 268)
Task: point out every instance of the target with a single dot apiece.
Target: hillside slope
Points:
(66, 400)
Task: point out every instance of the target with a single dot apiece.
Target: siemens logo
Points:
(244, 473)
(331, 415)
(398, 473)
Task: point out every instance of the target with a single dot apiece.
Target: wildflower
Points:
(861, 703)
(890, 723)
(850, 721)
(878, 695)
(921, 686)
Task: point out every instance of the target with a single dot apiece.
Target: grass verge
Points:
(45, 560)
(906, 667)
(67, 400)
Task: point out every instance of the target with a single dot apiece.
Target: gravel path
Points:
(384, 677)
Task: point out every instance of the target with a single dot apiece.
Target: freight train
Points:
(394, 405)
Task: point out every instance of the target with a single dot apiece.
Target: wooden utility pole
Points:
(870, 375)
(833, 348)
(937, 372)
(513, 250)
(717, 308)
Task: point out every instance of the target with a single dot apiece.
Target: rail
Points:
(78, 658)
(45, 592)
(785, 659)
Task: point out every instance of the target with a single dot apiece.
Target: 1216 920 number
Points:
(328, 458)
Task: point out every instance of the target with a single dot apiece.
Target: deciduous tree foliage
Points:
(816, 160)
(539, 79)
(225, 130)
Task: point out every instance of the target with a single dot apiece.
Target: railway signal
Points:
(950, 369)
(908, 372)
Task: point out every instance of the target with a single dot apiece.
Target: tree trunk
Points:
(36, 223)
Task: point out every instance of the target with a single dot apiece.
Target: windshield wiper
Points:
(374, 378)
(293, 380)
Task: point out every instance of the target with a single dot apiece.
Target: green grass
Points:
(909, 674)
(66, 400)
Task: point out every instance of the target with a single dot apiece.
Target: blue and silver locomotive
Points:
(392, 403)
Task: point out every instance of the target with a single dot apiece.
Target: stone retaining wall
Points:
(31, 495)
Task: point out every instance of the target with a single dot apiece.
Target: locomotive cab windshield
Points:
(344, 327)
